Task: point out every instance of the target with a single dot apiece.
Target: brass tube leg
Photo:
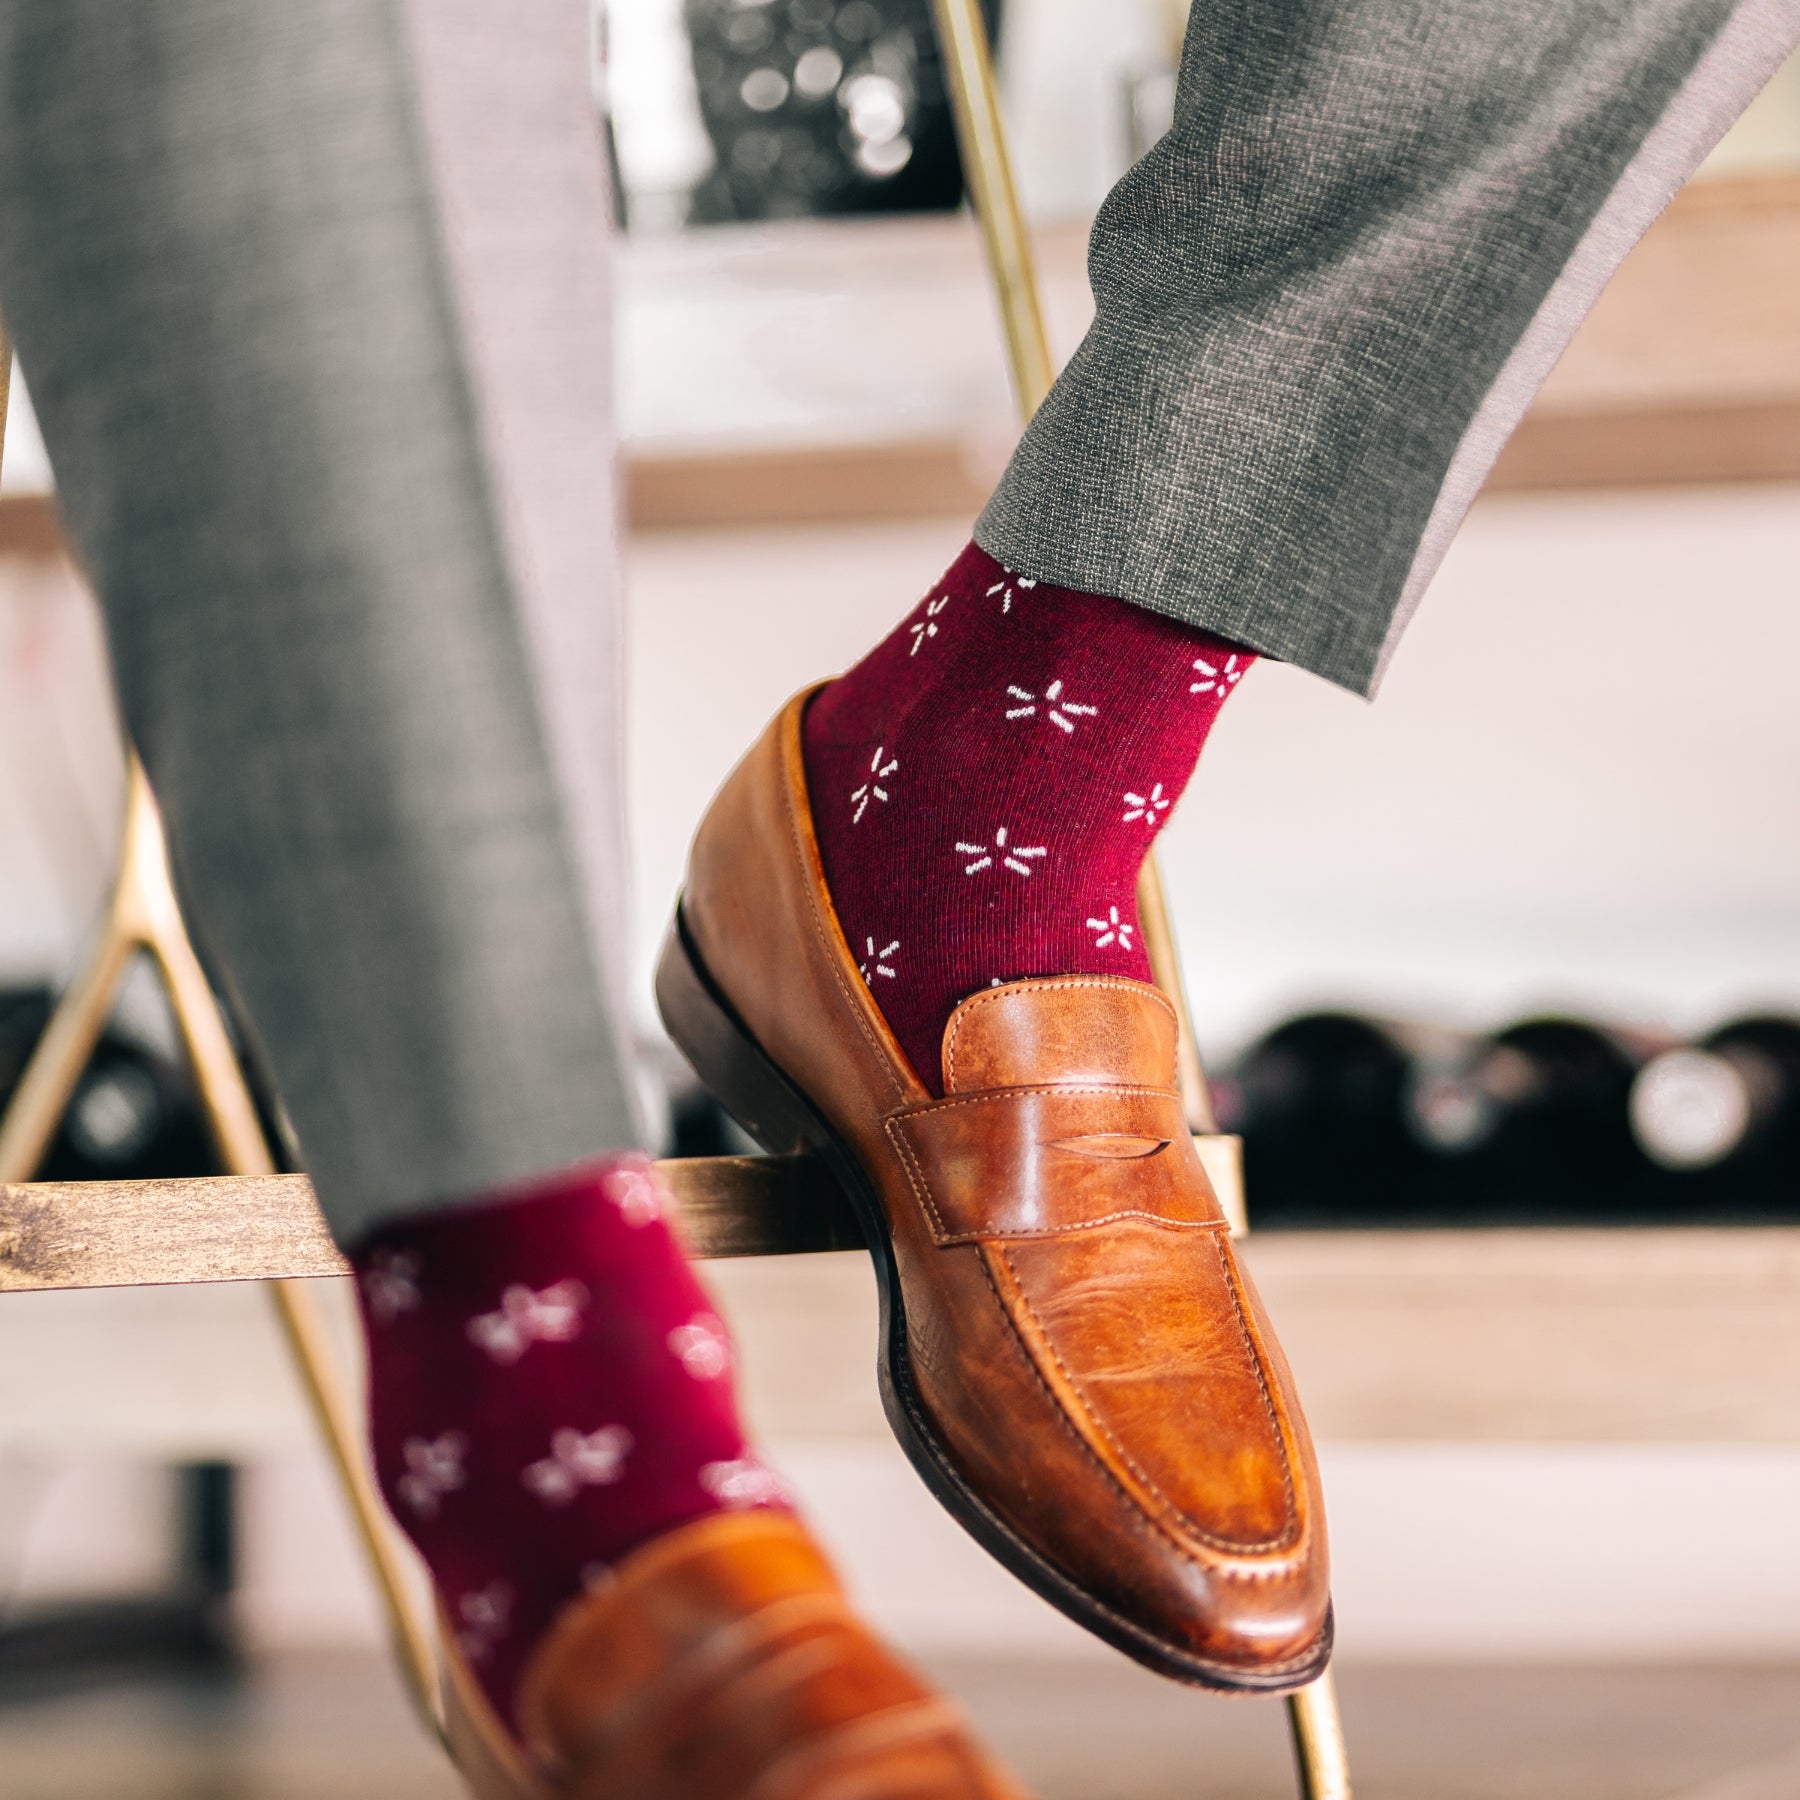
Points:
(1165, 965)
(1319, 1754)
(62, 1054)
(987, 168)
(413, 1637)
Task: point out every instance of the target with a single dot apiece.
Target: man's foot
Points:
(1072, 1356)
(988, 780)
(554, 1425)
(720, 1660)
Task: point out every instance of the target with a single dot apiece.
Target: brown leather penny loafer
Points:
(1071, 1355)
(722, 1663)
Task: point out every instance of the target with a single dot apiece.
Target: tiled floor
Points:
(319, 1728)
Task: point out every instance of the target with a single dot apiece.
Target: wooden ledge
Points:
(254, 1228)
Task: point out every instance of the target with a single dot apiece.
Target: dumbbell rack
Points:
(258, 1224)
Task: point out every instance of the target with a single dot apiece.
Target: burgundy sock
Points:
(987, 781)
(549, 1387)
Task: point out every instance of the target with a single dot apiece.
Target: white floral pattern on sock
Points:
(1010, 584)
(875, 962)
(926, 626)
(872, 788)
(1016, 857)
(1112, 930)
(525, 1318)
(1149, 807)
(486, 1616)
(743, 1482)
(578, 1459)
(1218, 678)
(434, 1467)
(633, 1192)
(702, 1347)
(390, 1284)
(1060, 712)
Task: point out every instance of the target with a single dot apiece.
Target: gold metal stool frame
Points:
(258, 1224)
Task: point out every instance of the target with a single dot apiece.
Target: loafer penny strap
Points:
(1042, 1161)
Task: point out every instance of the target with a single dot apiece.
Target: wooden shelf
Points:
(1628, 1335)
(1688, 368)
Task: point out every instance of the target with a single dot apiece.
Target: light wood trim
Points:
(1653, 447)
(810, 484)
(253, 1228)
(1503, 1335)
(1668, 1335)
(1685, 1335)
(1768, 191)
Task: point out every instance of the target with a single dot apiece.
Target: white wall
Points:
(1579, 785)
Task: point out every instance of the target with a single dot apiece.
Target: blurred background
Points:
(1508, 963)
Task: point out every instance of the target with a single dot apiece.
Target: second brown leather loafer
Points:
(720, 1662)
(1071, 1355)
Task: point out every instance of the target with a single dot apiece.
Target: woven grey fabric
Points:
(1307, 295)
(253, 312)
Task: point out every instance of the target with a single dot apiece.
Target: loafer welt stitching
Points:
(1228, 1266)
(1228, 1546)
(951, 1239)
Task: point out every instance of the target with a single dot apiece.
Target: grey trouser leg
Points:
(1326, 297)
(312, 302)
